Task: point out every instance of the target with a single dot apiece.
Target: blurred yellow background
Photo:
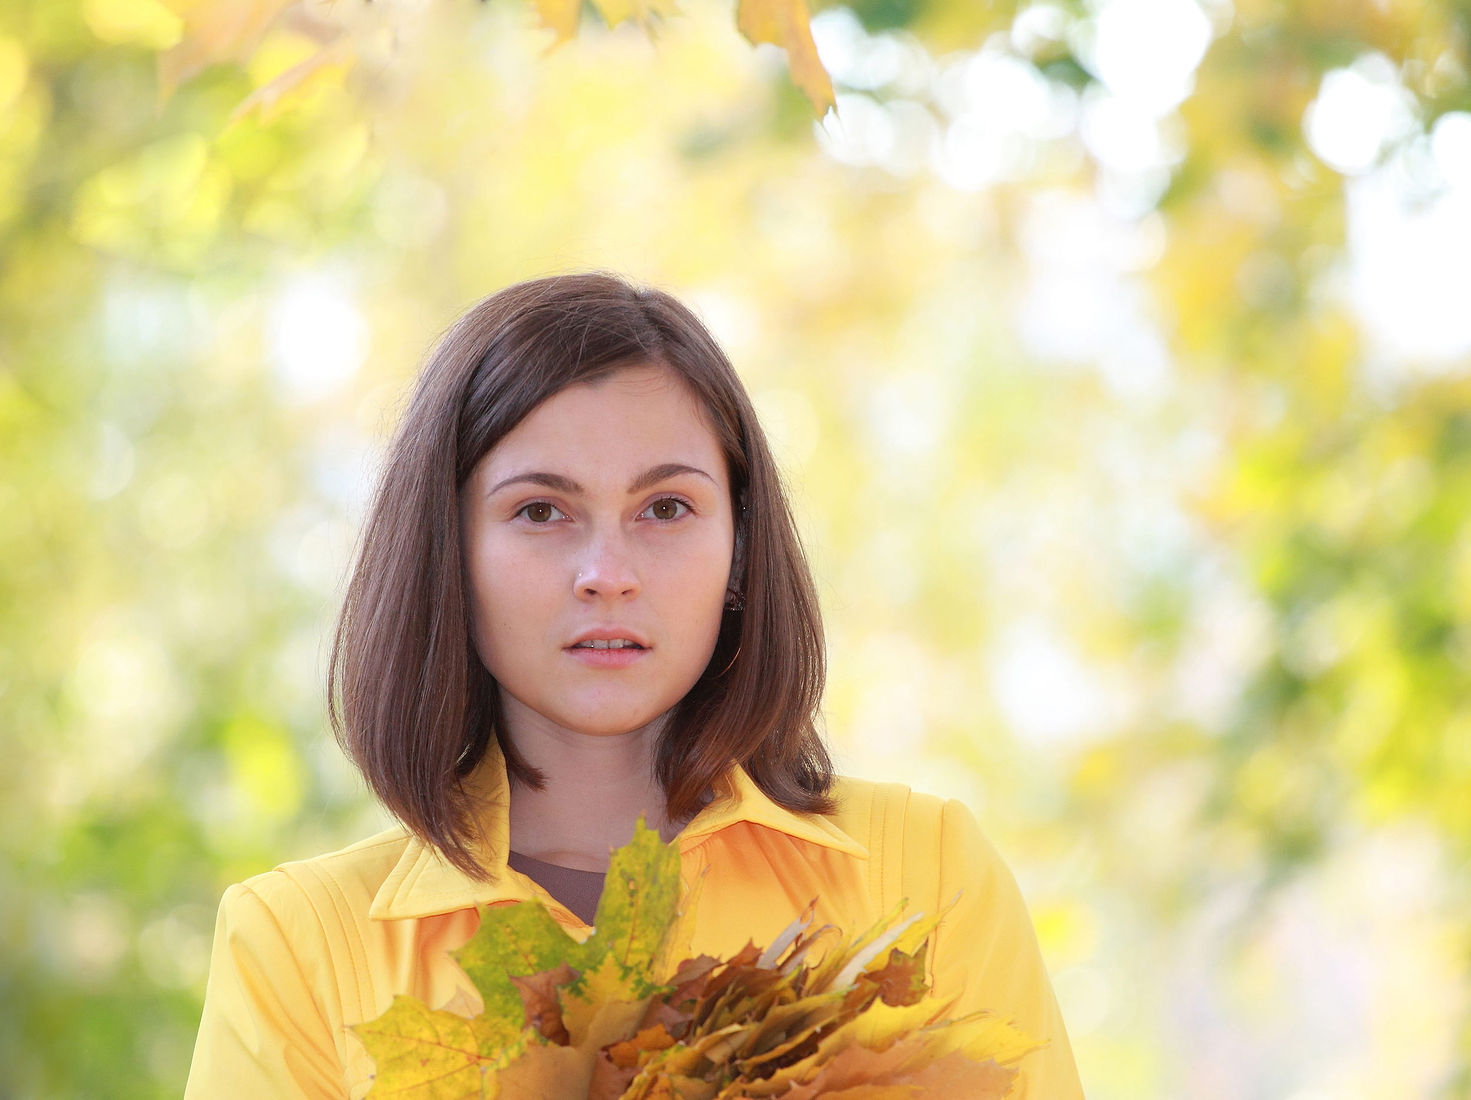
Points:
(1118, 355)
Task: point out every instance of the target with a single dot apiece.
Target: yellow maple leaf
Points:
(432, 1054)
(787, 23)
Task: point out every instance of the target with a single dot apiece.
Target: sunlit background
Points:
(1116, 355)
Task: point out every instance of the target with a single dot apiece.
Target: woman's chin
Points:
(629, 728)
(603, 722)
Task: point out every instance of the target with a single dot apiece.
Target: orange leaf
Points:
(626, 1054)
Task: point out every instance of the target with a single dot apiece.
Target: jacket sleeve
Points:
(265, 1031)
(987, 952)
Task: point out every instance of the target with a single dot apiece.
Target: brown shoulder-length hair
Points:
(408, 697)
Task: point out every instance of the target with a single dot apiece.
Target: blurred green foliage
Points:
(206, 323)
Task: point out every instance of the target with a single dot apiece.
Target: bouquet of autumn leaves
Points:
(812, 1015)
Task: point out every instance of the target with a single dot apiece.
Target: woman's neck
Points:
(596, 787)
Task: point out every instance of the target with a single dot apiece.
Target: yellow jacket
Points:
(304, 951)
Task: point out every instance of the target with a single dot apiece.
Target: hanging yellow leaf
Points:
(559, 16)
(786, 23)
(644, 12)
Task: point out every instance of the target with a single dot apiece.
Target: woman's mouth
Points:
(607, 653)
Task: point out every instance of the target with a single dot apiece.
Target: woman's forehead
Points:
(635, 418)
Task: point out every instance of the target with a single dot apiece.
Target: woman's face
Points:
(597, 540)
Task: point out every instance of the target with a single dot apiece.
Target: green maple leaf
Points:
(512, 941)
(639, 903)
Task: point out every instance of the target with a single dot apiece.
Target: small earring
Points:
(735, 601)
(730, 664)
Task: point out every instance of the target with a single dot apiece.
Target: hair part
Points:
(409, 699)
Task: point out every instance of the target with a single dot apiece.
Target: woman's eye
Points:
(539, 511)
(668, 508)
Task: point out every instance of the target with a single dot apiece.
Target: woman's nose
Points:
(607, 569)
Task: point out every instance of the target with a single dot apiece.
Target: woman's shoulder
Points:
(918, 843)
(874, 812)
(931, 854)
(331, 884)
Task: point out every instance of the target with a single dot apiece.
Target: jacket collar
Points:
(423, 883)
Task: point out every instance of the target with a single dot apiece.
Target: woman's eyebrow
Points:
(655, 474)
(652, 476)
(550, 481)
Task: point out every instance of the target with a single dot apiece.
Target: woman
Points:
(580, 598)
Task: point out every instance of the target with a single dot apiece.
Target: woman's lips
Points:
(606, 658)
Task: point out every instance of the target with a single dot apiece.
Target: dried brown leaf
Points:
(609, 1082)
(691, 979)
(781, 1025)
(901, 981)
(673, 1020)
(540, 994)
(547, 1073)
(858, 1065)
